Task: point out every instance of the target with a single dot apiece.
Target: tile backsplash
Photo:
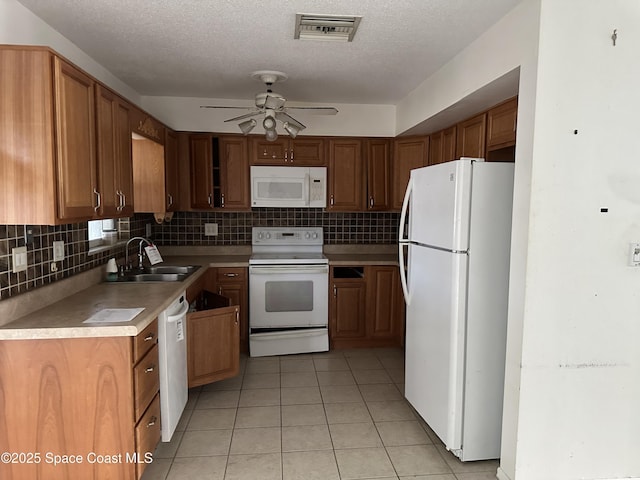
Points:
(186, 228)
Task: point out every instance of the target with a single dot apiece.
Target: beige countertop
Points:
(59, 310)
(64, 318)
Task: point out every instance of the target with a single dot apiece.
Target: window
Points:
(104, 233)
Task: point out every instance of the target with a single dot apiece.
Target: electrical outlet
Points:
(210, 229)
(58, 251)
(19, 259)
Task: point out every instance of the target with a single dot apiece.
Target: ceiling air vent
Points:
(336, 28)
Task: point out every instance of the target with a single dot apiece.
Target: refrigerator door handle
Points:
(403, 274)
(403, 213)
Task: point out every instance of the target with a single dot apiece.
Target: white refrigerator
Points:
(457, 236)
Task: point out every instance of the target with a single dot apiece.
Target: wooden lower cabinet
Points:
(366, 308)
(78, 397)
(213, 333)
(233, 283)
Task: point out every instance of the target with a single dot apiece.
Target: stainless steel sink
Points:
(162, 269)
(159, 273)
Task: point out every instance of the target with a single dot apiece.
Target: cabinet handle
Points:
(150, 369)
(153, 421)
(285, 156)
(124, 199)
(230, 274)
(210, 200)
(219, 290)
(370, 202)
(170, 198)
(149, 337)
(331, 200)
(237, 316)
(98, 202)
(222, 200)
(292, 155)
(335, 291)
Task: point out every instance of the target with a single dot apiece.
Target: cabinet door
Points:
(408, 153)
(435, 148)
(385, 312)
(212, 345)
(449, 144)
(106, 128)
(501, 124)
(171, 177)
(378, 175)
(264, 152)
(238, 295)
(471, 137)
(345, 175)
(347, 317)
(124, 160)
(75, 142)
(234, 174)
(201, 171)
(307, 152)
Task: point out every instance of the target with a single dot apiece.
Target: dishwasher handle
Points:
(181, 313)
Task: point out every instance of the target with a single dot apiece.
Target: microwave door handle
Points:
(307, 187)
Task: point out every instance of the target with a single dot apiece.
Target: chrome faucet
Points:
(140, 253)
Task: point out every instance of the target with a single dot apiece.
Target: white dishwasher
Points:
(172, 353)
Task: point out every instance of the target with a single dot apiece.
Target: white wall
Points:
(580, 374)
(182, 113)
(19, 26)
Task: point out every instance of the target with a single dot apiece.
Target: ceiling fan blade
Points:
(221, 106)
(246, 115)
(273, 102)
(316, 110)
(283, 117)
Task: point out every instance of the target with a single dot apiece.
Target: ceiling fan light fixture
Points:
(247, 126)
(292, 130)
(269, 123)
(271, 135)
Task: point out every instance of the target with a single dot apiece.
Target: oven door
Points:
(288, 296)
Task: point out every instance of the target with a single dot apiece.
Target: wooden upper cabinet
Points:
(345, 174)
(303, 152)
(145, 125)
(501, 124)
(172, 173)
(471, 137)
(201, 152)
(234, 173)
(442, 146)
(378, 174)
(408, 153)
(115, 170)
(78, 196)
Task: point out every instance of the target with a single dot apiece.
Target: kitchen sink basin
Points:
(161, 273)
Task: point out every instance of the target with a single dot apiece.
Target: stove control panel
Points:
(286, 236)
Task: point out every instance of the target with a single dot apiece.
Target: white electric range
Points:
(288, 291)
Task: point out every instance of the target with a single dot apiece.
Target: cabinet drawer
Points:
(146, 339)
(231, 274)
(148, 433)
(146, 381)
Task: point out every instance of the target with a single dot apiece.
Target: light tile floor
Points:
(329, 416)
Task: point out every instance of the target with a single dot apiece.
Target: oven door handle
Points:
(279, 269)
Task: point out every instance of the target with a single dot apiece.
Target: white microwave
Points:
(289, 187)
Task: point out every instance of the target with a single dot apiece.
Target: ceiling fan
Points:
(272, 106)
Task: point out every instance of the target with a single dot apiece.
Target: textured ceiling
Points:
(207, 48)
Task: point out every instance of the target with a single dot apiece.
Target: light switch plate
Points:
(19, 259)
(210, 229)
(58, 251)
(634, 254)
